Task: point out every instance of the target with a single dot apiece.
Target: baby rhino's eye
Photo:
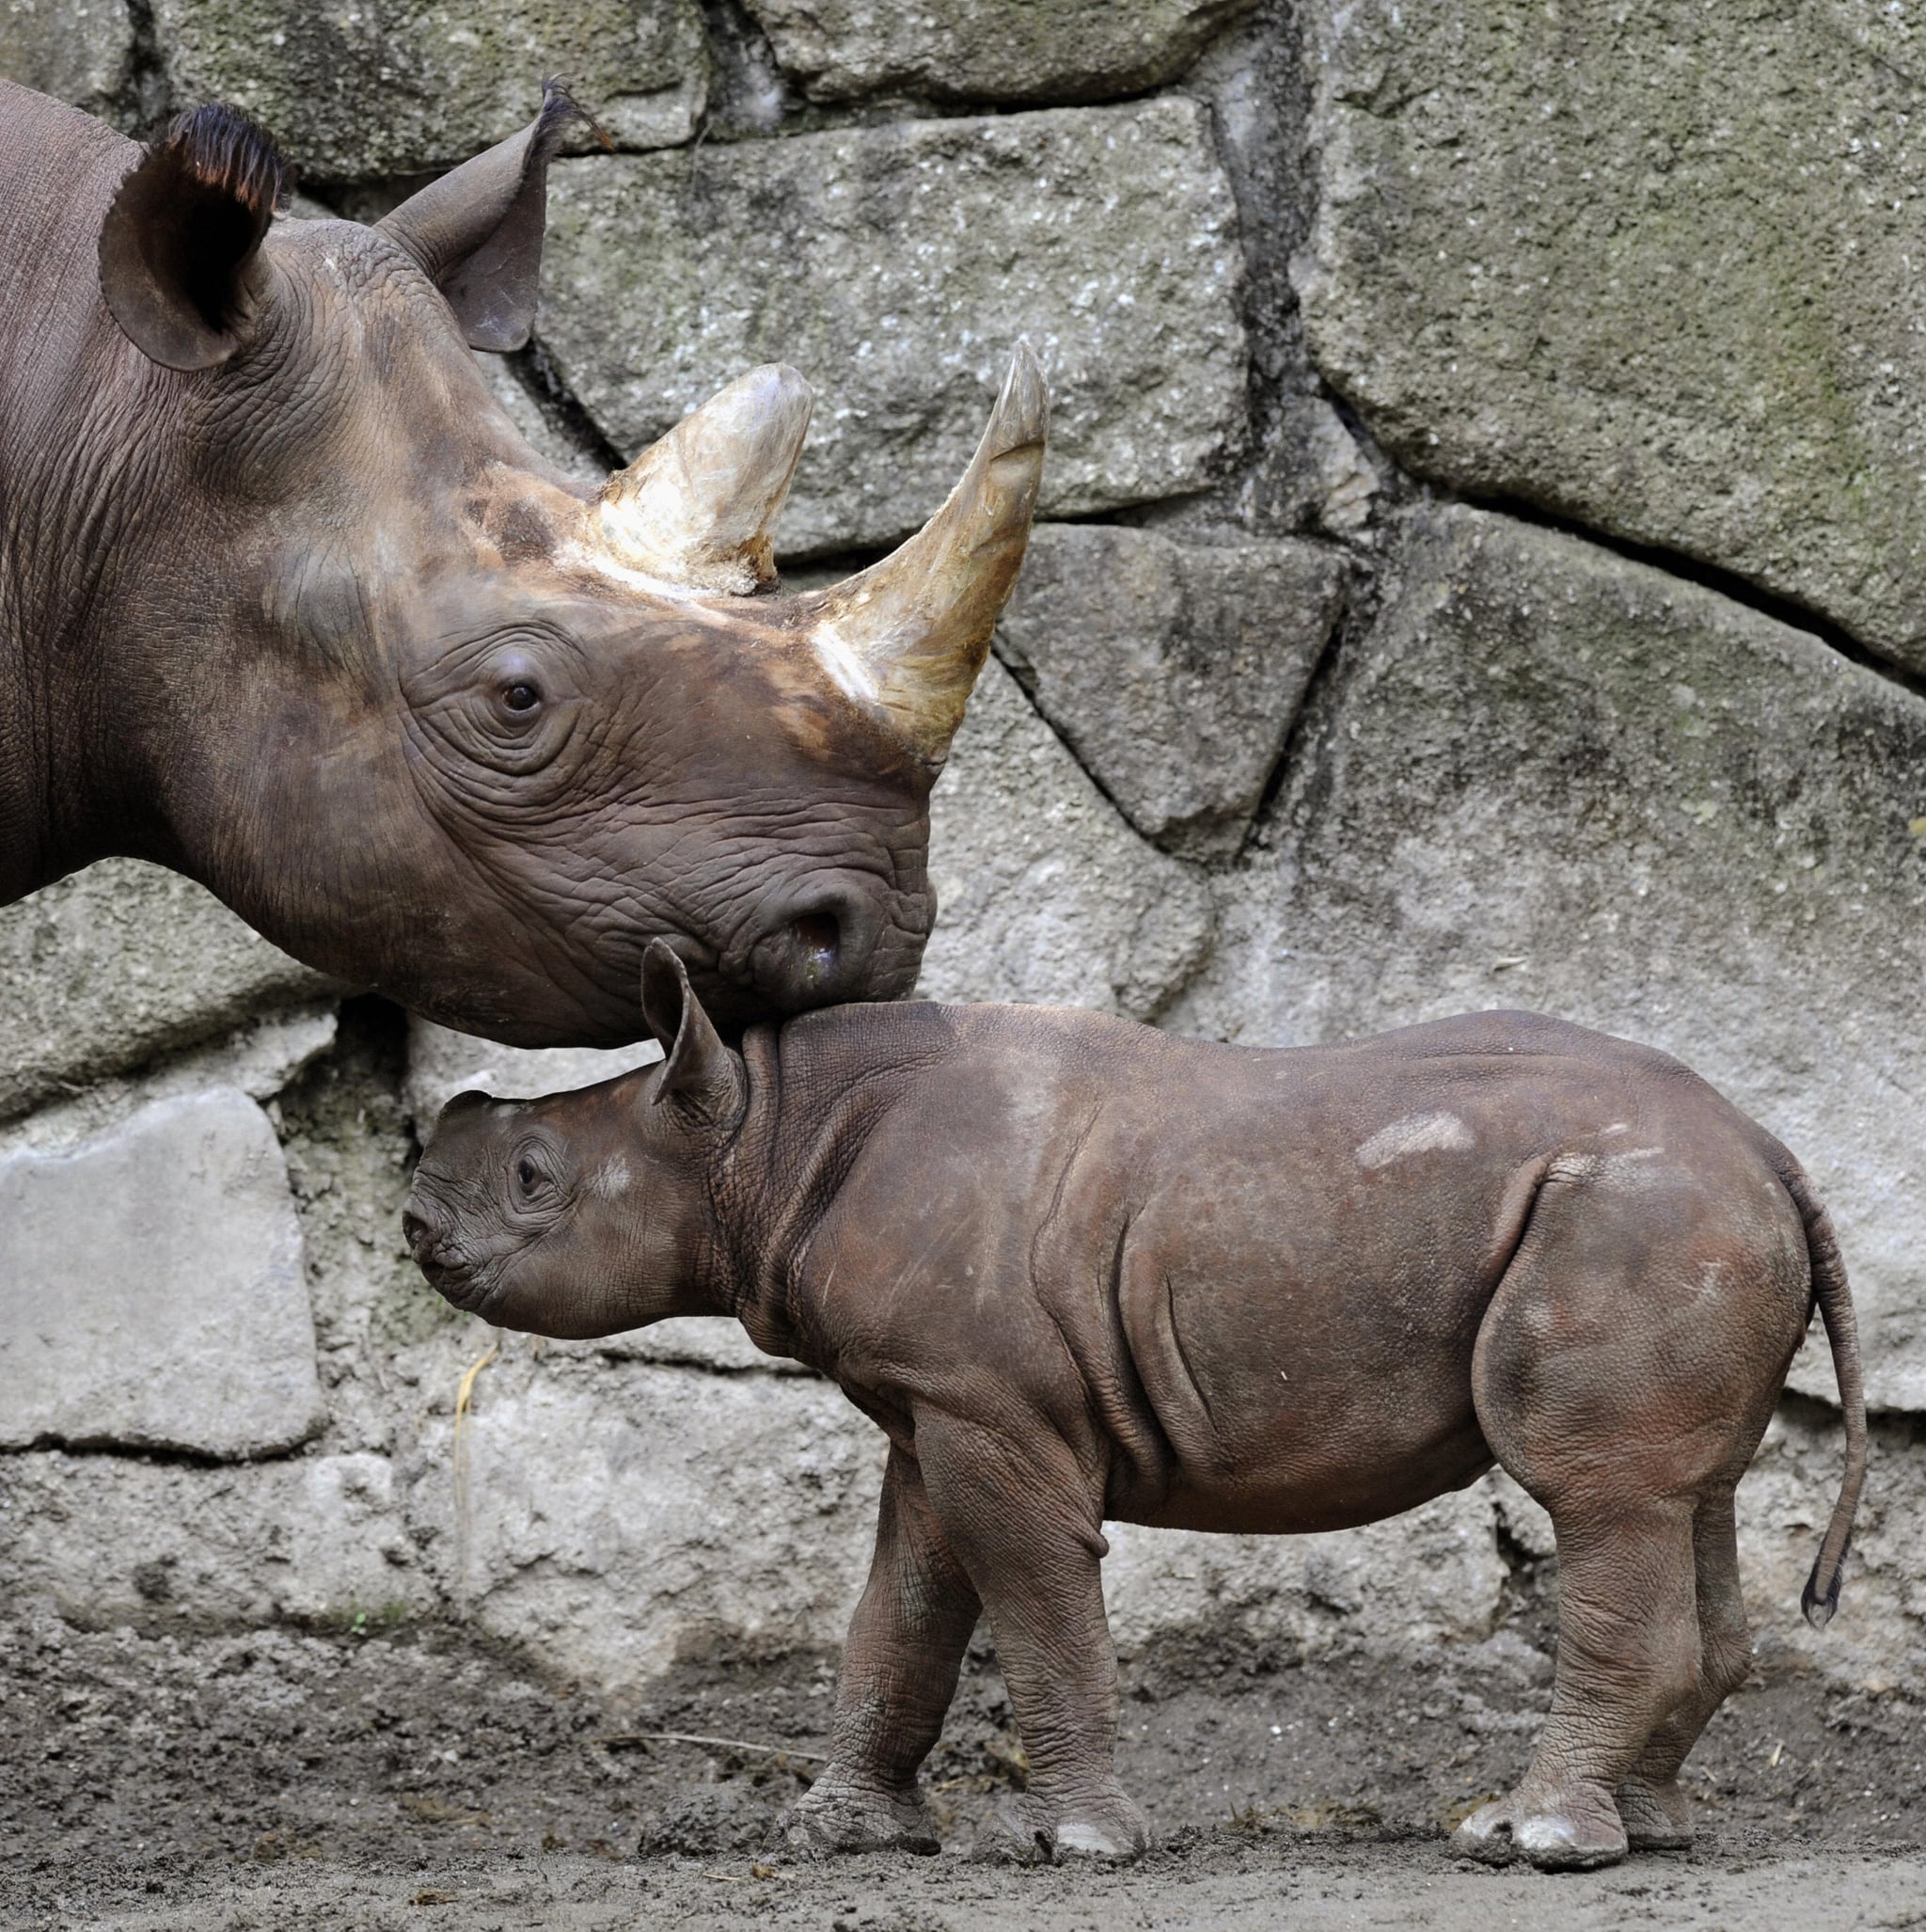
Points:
(531, 1180)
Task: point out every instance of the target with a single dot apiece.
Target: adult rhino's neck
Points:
(819, 1085)
(71, 440)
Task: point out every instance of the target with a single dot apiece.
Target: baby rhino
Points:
(1078, 1270)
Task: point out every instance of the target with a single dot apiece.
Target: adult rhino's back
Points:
(58, 170)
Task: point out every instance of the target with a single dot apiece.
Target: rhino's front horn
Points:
(907, 636)
(695, 508)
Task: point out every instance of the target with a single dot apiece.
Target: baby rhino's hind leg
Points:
(1616, 1402)
(1657, 1813)
(905, 1647)
(1628, 1660)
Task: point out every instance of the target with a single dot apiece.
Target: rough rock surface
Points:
(1044, 893)
(1653, 266)
(316, 1540)
(1552, 778)
(393, 86)
(896, 266)
(989, 50)
(1877, 1641)
(1173, 671)
(260, 1059)
(76, 50)
(1422, 1581)
(120, 962)
(612, 1521)
(150, 1289)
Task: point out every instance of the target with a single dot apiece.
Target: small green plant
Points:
(365, 1619)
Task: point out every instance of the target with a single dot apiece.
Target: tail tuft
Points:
(1819, 1608)
(1821, 1611)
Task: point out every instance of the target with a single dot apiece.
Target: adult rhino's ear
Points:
(476, 231)
(181, 263)
(697, 1069)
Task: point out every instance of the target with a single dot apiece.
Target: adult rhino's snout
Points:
(831, 947)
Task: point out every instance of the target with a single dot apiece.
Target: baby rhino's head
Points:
(584, 1213)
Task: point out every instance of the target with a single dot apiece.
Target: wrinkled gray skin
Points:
(279, 577)
(1078, 1270)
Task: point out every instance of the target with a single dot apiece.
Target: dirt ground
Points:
(406, 1780)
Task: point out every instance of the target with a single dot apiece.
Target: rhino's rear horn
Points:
(695, 509)
(906, 637)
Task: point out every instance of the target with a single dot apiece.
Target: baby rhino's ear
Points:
(698, 1070)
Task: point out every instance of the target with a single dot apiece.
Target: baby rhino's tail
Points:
(1834, 1303)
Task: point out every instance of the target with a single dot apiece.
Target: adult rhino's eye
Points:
(520, 696)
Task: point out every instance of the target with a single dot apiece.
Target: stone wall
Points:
(1494, 438)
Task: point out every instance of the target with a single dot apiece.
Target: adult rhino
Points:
(288, 604)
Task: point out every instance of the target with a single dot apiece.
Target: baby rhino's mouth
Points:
(449, 1269)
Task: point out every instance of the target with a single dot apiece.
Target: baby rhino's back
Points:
(1272, 1266)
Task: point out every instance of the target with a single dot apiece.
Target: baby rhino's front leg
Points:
(969, 1521)
(899, 1672)
(1023, 1524)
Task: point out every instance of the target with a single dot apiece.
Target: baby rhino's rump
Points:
(1303, 1281)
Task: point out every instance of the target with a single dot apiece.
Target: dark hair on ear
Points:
(231, 153)
(180, 243)
(559, 111)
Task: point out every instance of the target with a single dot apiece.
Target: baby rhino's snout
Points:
(420, 1229)
(430, 1225)
(428, 1229)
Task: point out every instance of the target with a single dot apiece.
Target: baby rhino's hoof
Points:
(843, 1818)
(1574, 1830)
(1658, 1817)
(1030, 1831)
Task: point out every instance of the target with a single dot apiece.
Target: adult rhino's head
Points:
(437, 719)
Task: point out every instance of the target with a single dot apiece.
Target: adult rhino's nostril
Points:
(817, 953)
(818, 943)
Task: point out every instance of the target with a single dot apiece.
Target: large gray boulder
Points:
(1652, 267)
(395, 87)
(989, 50)
(1043, 891)
(896, 266)
(1172, 669)
(152, 1293)
(120, 962)
(610, 1520)
(315, 1540)
(80, 51)
(1416, 1583)
(1552, 778)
